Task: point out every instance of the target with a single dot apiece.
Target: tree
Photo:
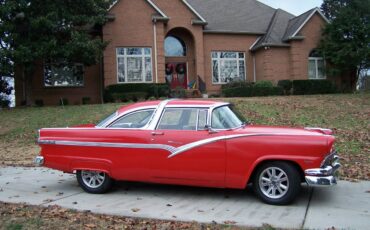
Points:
(49, 30)
(5, 91)
(346, 40)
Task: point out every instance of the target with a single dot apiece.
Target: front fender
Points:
(303, 162)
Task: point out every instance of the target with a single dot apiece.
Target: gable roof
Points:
(275, 31)
(154, 6)
(234, 16)
(297, 23)
(194, 11)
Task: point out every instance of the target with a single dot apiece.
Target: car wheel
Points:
(94, 181)
(277, 183)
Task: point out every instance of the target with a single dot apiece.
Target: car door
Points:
(132, 157)
(194, 158)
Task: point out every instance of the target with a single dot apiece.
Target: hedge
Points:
(245, 89)
(285, 87)
(306, 87)
(135, 92)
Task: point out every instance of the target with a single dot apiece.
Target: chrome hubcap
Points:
(274, 183)
(93, 179)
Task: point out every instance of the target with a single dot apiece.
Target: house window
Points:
(62, 74)
(134, 65)
(228, 67)
(316, 66)
(174, 47)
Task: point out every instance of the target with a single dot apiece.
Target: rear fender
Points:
(93, 165)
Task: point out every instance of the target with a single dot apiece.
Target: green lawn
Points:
(348, 115)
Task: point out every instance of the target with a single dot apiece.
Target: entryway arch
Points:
(180, 58)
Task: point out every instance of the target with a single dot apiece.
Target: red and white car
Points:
(195, 143)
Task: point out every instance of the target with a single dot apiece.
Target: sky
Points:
(296, 7)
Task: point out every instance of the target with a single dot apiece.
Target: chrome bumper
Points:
(324, 176)
(39, 161)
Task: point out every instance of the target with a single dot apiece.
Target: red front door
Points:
(176, 75)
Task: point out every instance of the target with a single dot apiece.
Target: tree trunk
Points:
(27, 85)
(353, 79)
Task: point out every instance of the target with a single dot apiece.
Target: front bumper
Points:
(324, 176)
(39, 161)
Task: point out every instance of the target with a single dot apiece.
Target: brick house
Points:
(189, 42)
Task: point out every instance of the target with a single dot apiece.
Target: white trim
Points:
(113, 4)
(257, 40)
(149, 1)
(194, 11)
(157, 8)
(317, 10)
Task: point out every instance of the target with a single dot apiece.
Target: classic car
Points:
(192, 143)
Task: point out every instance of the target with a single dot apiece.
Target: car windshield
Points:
(226, 117)
(101, 124)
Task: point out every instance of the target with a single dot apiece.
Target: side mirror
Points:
(210, 129)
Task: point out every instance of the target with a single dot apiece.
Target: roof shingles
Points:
(275, 26)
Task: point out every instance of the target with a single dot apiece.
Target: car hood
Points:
(284, 130)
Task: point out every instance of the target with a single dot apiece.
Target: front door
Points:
(201, 164)
(176, 75)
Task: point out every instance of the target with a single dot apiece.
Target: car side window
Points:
(133, 120)
(178, 119)
(202, 119)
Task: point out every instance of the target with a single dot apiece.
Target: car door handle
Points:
(157, 133)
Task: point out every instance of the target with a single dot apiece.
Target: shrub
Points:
(63, 101)
(304, 87)
(4, 102)
(135, 92)
(286, 85)
(86, 100)
(264, 84)
(246, 89)
(39, 102)
(179, 92)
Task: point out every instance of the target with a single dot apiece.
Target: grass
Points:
(348, 115)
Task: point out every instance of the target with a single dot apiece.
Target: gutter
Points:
(232, 32)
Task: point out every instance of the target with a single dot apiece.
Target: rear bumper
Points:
(39, 161)
(324, 176)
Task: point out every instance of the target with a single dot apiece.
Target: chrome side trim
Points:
(317, 129)
(192, 145)
(110, 145)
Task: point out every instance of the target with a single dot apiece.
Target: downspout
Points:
(254, 68)
(155, 49)
(102, 79)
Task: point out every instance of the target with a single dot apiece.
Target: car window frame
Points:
(198, 109)
(218, 107)
(131, 113)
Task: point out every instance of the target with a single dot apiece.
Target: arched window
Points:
(316, 65)
(174, 47)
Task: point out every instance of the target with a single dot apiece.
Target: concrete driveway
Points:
(346, 206)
